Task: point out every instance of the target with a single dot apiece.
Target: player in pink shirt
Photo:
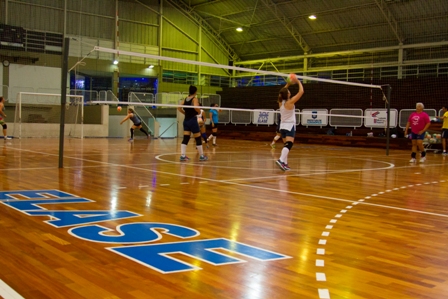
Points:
(419, 122)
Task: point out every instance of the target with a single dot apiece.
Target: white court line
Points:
(7, 292)
(265, 188)
(323, 294)
(320, 263)
(317, 172)
(328, 172)
(321, 277)
(340, 199)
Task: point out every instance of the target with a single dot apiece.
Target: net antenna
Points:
(80, 62)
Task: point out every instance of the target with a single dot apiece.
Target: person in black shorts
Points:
(191, 124)
(137, 124)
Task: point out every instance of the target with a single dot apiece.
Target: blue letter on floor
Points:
(156, 256)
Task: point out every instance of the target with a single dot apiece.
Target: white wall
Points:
(117, 130)
(31, 78)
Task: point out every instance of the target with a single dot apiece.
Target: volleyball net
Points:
(354, 105)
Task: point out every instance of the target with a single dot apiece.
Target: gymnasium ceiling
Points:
(281, 28)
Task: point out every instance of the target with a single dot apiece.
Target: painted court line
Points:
(276, 190)
(324, 294)
(7, 292)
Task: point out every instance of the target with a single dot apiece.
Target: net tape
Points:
(221, 66)
(139, 104)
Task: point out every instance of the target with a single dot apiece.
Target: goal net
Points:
(39, 115)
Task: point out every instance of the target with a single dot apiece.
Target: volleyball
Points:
(119, 108)
(292, 79)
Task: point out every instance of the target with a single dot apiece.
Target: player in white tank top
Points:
(288, 124)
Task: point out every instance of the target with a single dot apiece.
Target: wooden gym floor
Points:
(343, 223)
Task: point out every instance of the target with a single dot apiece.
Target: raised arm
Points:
(297, 97)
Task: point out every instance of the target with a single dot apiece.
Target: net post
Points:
(19, 96)
(64, 70)
(388, 93)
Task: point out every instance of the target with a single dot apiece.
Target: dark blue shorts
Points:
(445, 133)
(191, 125)
(286, 133)
(417, 137)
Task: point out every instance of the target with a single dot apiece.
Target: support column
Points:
(6, 12)
(400, 61)
(160, 67)
(200, 81)
(305, 66)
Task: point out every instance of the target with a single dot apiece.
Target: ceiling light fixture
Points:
(239, 29)
(312, 17)
(115, 62)
(150, 66)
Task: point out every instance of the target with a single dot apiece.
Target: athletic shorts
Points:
(191, 125)
(286, 133)
(214, 127)
(444, 133)
(415, 136)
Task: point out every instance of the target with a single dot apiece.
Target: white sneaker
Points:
(413, 160)
(444, 154)
(7, 138)
(422, 159)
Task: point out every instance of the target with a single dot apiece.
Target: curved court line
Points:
(259, 187)
(207, 163)
(321, 172)
(320, 276)
(339, 199)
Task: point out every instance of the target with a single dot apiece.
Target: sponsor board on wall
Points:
(377, 118)
(263, 117)
(314, 117)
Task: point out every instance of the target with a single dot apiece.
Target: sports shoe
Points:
(282, 165)
(184, 158)
(130, 139)
(413, 160)
(273, 145)
(422, 159)
(214, 144)
(286, 166)
(444, 154)
(7, 138)
(203, 158)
